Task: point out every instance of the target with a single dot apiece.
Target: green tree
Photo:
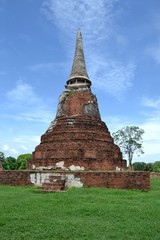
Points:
(142, 166)
(1, 155)
(1, 159)
(139, 166)
(130, 141)
(149, 167)
(156, 166)
(22, 161)
(9, 163)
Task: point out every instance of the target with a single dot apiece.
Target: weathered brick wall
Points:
(80, 164)
(78, 134)
(121, 180)
(16, 178)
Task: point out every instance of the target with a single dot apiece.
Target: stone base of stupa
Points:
(77, 144)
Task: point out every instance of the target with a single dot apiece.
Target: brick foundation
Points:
(121, 180)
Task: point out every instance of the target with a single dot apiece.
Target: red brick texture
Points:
(78, 137)
(55, 184)
(15, 178)
(120, 180)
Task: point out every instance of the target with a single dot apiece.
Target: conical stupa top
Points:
(79, 66)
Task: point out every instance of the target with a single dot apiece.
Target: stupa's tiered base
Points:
(77, 143)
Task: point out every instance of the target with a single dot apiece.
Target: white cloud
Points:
(9, 151)
(23, 139)
(19, 145)
(111, 76)
(97, 20)
(151, 102)
(94, 17)
(27, 105)
(151, 126)
(115, 123)
(24, 108)
(13, 151)
(5, 147)
(24, 148)
(38, 114)
(23, 92)
(151, 137)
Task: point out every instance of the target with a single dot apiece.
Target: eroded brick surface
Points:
(78, 137)
(77, 142)
(55, 181)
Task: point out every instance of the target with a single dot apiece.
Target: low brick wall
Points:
(121, 180)
(155, 175)
(16, 178)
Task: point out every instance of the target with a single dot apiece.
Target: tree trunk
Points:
(130, 162)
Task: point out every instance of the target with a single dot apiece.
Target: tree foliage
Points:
(142, 166)
(22, 161)
(156, 167)
(130, 141)
(9, 163)
(149, 167)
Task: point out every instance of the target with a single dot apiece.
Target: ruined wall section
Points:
(76, 103)
(121, 180)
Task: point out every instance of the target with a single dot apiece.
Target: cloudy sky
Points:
(121, 42)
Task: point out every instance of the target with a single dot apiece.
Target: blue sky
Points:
(121, 42)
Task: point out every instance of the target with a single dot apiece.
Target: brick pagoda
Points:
(77, 139)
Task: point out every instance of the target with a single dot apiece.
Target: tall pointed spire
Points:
(79, 71)
(79, 66)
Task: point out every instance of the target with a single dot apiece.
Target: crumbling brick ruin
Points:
(77, 150)
(61, 180)
(77, 139)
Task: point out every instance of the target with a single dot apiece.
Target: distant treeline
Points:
(142, 166)
(11, 163)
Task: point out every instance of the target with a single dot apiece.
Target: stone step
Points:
(53, 184)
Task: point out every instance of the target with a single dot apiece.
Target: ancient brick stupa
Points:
(77, 139)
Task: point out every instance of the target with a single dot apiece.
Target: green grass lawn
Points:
(26, 214)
